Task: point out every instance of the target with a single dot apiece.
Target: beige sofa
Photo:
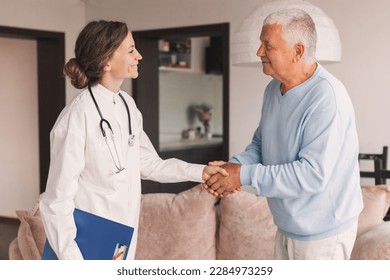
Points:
(196, 225)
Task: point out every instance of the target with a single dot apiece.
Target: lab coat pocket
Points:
(98, 156)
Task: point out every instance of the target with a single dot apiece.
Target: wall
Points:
(363, 69)
(52, 15)
(364, 66)
(19, 125)
(19, 164)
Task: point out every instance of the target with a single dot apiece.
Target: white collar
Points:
(104, 92)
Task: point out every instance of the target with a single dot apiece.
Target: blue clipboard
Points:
(98, 238)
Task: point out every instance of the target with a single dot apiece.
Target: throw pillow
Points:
(376, 203)
(246, 229)
(177, 226)
(14, 251)
(374, 244)
(31, 234)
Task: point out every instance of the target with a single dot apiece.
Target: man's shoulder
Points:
(328, 79)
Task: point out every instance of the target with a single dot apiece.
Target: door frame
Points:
(51, 85)
(146, 86)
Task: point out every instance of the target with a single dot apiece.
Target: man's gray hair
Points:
(298, 27)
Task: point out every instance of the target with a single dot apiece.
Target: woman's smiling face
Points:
(124, 62)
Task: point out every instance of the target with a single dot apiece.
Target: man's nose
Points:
(260, 51)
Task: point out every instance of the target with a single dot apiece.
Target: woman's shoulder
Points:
(80, 101)
(79, 104)
(73, 112)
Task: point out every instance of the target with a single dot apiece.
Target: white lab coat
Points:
(82, 172)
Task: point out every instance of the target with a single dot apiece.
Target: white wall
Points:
(19, 147)
(51, 15)
(365, 36)
(363, 27)
(19, 160)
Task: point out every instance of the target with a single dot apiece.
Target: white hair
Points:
(298, 27)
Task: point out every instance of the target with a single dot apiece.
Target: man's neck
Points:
(300, 76)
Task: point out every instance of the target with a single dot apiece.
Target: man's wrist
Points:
(245, 174)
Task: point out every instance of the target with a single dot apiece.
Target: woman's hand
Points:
(209, 171)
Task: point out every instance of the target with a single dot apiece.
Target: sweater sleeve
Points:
(252, 153)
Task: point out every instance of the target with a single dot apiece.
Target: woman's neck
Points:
(113, 86)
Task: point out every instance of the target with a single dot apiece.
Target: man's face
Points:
(276, 55)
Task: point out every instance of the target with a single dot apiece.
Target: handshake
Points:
(221, 178)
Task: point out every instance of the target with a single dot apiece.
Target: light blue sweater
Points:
(304, 158)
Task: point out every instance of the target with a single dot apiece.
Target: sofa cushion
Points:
(376, 204)
(177, 226)
(247, 230)
(31, 236)
(374, 244)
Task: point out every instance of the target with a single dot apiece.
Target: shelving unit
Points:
(185, 55)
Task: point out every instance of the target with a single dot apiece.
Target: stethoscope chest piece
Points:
(131, 140)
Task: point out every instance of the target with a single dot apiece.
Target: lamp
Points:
(245, 41)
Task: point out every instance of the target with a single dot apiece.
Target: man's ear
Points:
(299, 51)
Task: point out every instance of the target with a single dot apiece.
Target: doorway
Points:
(50, 57)
(167, 64)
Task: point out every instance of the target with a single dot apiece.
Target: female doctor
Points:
(99, 151)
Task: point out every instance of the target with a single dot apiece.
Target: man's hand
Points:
(222, 186)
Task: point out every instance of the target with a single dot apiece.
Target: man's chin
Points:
(265, 70)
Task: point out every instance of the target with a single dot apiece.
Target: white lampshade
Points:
(245, 41)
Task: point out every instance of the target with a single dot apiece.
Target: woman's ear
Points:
(107, 67)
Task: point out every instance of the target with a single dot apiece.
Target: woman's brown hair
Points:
(95, 45)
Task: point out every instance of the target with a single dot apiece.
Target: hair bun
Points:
(76, 74)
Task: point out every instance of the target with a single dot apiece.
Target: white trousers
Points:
(338, 247)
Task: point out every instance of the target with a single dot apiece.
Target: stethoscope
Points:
(104, 124)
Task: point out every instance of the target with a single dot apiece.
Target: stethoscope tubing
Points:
(104, 122)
